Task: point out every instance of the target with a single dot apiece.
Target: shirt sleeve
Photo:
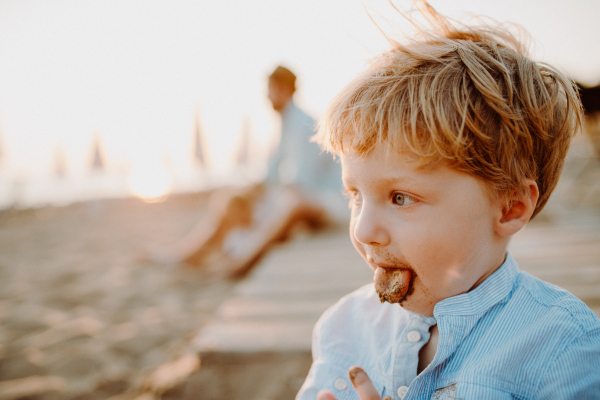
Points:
(575, 374)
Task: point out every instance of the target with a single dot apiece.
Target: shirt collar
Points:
(490, 292)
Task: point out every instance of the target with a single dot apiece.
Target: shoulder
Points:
(568, 339)
(573, 373)
(539, 342)
(295, 115)
(555, 304)
(546, 317)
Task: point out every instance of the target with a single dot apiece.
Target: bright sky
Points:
(134, 72)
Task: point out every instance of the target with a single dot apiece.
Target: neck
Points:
(497, 264)
(285, 106)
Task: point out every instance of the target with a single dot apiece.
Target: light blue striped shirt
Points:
(299, 161)
(513, 336)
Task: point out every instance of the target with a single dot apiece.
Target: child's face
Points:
(432, 228)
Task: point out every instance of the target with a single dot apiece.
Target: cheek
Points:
(432, 245)
(445, 249)
(357, 245)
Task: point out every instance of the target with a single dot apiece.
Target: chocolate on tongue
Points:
(392, 284)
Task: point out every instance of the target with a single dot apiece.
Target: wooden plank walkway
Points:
(276, 307)
(564, 252)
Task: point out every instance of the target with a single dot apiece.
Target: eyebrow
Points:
(397, 180)
(388, 181)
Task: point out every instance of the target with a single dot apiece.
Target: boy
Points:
(450, 145)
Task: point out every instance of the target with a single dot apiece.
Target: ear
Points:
(514, 217)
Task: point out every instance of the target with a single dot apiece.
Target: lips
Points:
(392, 284)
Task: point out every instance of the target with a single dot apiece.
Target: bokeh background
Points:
(117, 121)
(135, 81)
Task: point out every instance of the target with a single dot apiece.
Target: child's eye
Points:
(403, 200)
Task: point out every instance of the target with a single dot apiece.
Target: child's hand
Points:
(360, 381)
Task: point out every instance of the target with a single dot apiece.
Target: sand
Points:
(82, 319)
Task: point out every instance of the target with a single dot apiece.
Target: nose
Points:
(369, 226)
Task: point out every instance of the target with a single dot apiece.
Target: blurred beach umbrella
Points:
(242, 154)
(97, 160)
(199, 156)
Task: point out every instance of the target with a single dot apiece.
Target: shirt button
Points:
(340, 384)
(402, 391)
(413, 337)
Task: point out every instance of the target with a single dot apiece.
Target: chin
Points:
(418, 301)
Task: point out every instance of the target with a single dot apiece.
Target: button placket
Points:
(406, 354)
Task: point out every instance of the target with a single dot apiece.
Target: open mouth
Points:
(393, 284)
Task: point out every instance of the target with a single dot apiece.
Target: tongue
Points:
(391, 283)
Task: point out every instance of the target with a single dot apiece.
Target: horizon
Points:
(139, 75)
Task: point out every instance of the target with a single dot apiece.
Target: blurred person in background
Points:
(302, 187)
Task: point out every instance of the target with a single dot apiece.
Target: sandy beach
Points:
(77, 307)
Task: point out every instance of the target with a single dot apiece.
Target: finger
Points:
(363, 385)
(325, 395)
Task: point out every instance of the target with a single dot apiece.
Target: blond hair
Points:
(467, 95)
